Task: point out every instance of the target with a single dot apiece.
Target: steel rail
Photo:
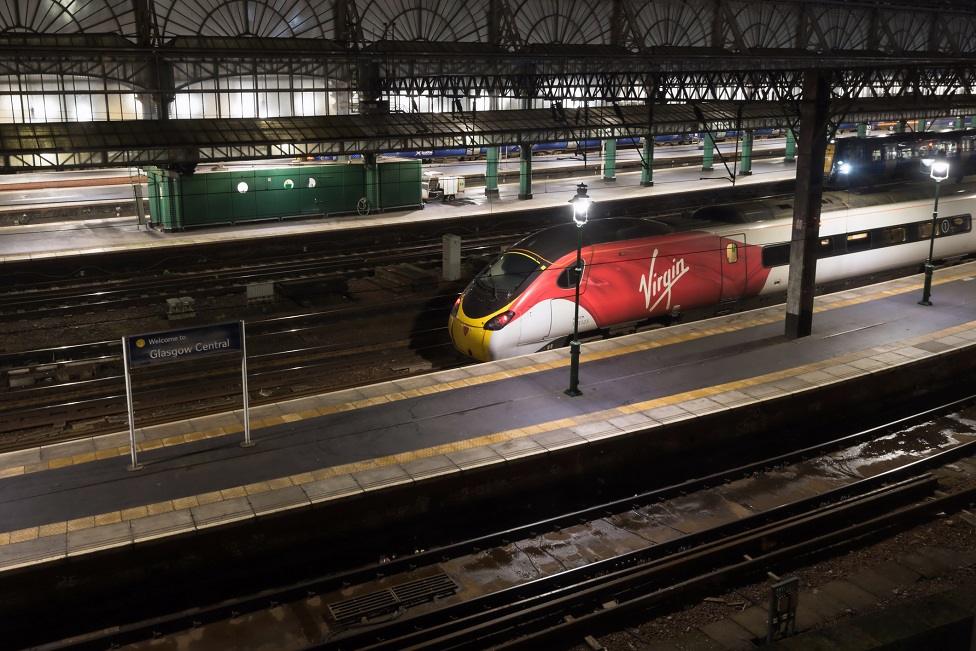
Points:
(12, 304)
(519, 601)
(587, 584)
(600, 619)
(262, 599)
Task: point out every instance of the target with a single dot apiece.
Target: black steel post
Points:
(805, 237)
(927, 288)
(574, 345)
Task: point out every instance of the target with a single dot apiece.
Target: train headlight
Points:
(843, 168)
(457, 305)
(500, 321)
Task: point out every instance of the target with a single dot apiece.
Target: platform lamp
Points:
(581, 209)
(939, 172)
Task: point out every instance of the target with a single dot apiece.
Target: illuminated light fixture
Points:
(289, 184)
(939, 172)
(581, 205)
(581, 210)
(843, 167)
(242, 187)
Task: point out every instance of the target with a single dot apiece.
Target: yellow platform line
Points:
(302, 478)
(944, 276)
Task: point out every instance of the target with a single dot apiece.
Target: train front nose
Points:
(469, 339)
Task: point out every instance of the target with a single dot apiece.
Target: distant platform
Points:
(116, 235)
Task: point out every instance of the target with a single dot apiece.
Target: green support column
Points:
(708, 147)
(920, 125)
(169, 201)
(862, 129)
(745, 164)
(491, 172)
(900, 126)
(957, 123)
(647, 166)
(610, 160)
(372, 182)
(790, 156)
(525, 171)
(972, 121)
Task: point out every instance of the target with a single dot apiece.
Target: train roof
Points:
(748, 212)
(556, 241)
(843, 144)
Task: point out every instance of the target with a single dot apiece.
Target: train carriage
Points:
(637, 271)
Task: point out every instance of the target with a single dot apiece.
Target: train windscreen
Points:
(500, 283)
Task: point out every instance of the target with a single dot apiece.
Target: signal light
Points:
(500, 321)
(457, 305)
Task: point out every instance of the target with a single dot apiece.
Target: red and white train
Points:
(638, 271)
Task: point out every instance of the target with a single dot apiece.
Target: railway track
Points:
(58, 299)
(563, 606)
(284, 364)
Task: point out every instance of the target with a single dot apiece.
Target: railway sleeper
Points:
(574, 600)
(657, 567)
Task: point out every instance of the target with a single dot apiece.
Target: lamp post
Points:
(939, 171)
(581, 207)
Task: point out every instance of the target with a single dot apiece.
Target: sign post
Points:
(133, 454)
(179, 345)
(247, 442)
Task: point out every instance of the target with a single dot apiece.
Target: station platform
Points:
(647, 398)
(119, 234)
(666, 154)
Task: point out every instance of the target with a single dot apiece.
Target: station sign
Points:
(184, 344)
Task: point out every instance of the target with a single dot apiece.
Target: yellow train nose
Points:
(468, 339)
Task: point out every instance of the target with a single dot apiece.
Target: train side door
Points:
(733, 261)
(536, 323)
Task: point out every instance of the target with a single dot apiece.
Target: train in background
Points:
(935, 124)
(859, 162)
(637, 272)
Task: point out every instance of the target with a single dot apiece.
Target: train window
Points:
(858, 242)
(732, 252)
(924, 230)
(890, 236)
(826, 247)
(876, 155)
(568, 278)
(776, 255)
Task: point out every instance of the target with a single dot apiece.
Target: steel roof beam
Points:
(157, 142)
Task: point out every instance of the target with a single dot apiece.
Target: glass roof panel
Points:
(423, 20)
(67, 16)
(264, 18)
